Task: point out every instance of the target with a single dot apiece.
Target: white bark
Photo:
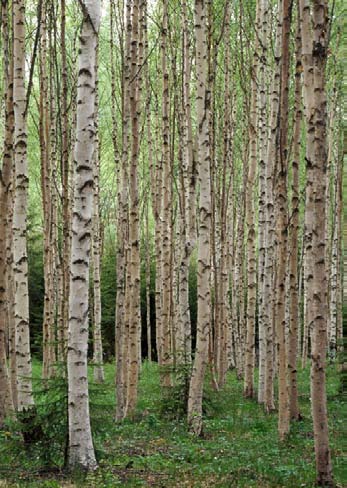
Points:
(262, 121)
(20, 258)
(6, 176)
(204, 267)
(97, 251)
(81, 450)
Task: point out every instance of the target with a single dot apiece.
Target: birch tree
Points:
(6, 176)
(81, 450)
(20, 257)
(314, 55)
(294, 238)
(97, 245)
(166, 194)
(133, 272)
(121, 331)
(66, 245)
(281, 171)
(187, 197)
(269, 265)
(46, 144)
(251, 231)
(203, 155)
(263, 165)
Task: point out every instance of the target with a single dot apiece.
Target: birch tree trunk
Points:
(156, 205)
(148, 286)
(314, 41)
(97, 338)
(133, 284)
(335, 324)
(333, 236)
(248, 388)
(151, 193)
(81, 450)
(121, 329)
(269, 266)
(204, 270)
(20, 258)
(293, 239)
(238, 293)
(187, 197)
(166, 209)
(6, 177)
(9, 259)
(308, 86)
(339, 241)
(222, 315)
(46, 178)
(281, 171)
(53, 185)
(263, 127)
(66, 251)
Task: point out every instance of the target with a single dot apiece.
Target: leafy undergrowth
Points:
(239, 447)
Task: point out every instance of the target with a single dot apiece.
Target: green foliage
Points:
(40, 434)
(37, 440)
(174, 399)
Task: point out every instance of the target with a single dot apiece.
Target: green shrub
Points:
(174, 399)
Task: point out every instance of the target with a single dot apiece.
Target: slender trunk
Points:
(248, 389)
(62, 336)
(81, 450)
(140, 106)
(151, 195)
(231, 233)
(53, 185)
(281, 171)
(301, 296)
(187, 206)
(46, 178)
(157, 203)
(263, 126)
(293, 242)
(20, 258)
(121, 330)
(10, 286)
(314, 55)
(222, 307)
(97, 338)
(238, 292)
(339, 274)
(333, 255)
(204, 266)
(6, 176)
(269, 266)
(166, 208)
(133, 284)
(308, 89)
(148, 287)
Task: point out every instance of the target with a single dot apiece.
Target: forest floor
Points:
(239, 447)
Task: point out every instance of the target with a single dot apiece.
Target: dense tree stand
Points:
(171, 255)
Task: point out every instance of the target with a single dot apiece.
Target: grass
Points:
(239, 448)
